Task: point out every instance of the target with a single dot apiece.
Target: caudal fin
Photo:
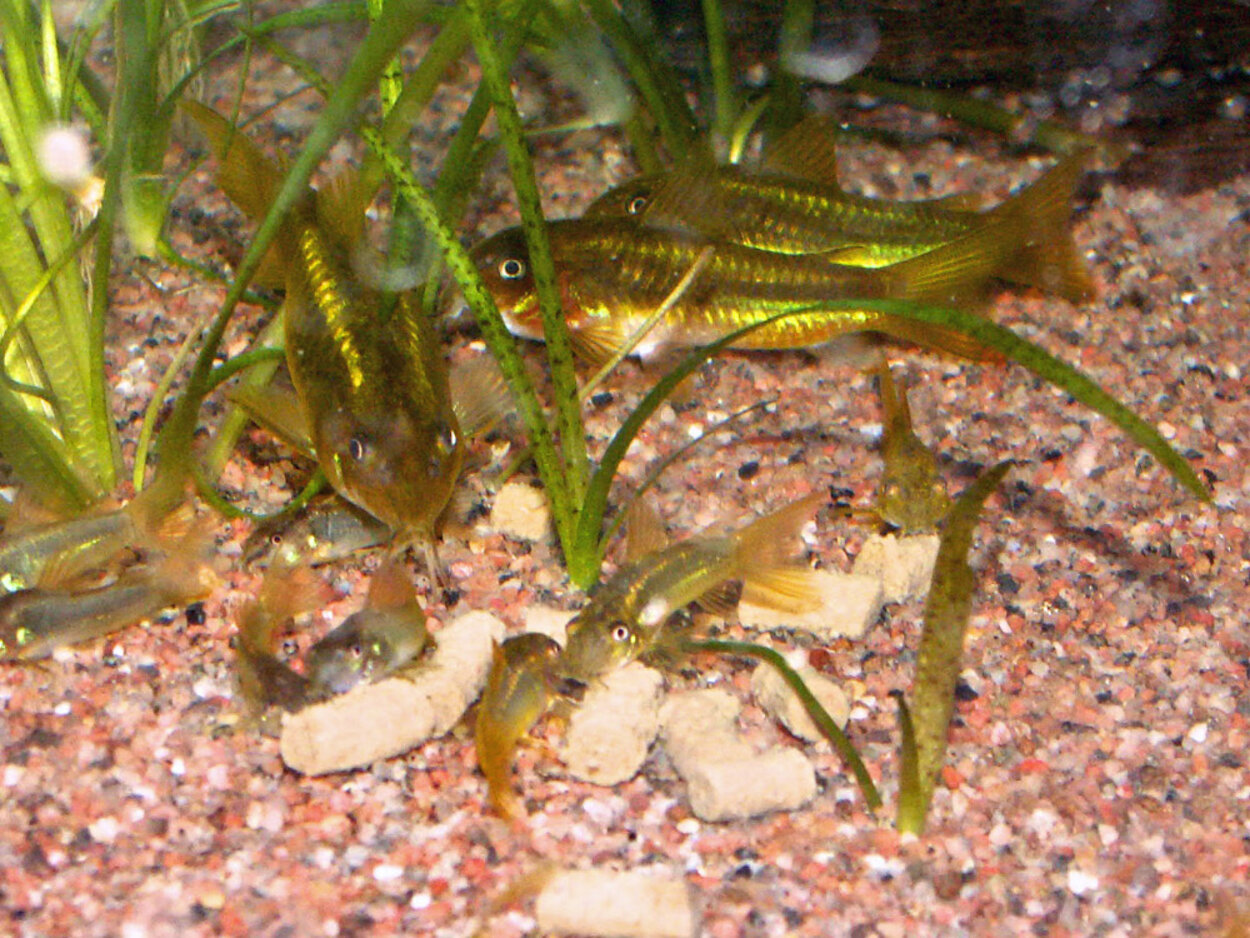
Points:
(1024, 240)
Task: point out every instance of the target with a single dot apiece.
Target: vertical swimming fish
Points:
(388, 633)
(912, 496)
(370, 373)
(519, 689)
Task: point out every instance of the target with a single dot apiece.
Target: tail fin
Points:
(1049, 259)
(246, 175)
(763, 551)
(1024, 240)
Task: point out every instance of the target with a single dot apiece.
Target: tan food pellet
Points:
(610, 732)
(521, 511)
(725, 778)
(904, 565)
(780, 702)
(608, 904)
(850, 603)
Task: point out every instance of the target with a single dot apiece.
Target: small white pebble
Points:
(1107, 834)
(387, 872)
(13, 775)
(1081, 883)
(1198, 732)
(104, 830)
(420, 900)
(178, 768)
(62, 709)
(688, 826)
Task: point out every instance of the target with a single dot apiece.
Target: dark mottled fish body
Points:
(387, 634)
(325, 531)
(518, 693)
(912, 496)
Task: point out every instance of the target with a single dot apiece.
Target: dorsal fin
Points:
(644, 531)
(806, 151)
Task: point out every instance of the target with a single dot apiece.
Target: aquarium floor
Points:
(1097, 780)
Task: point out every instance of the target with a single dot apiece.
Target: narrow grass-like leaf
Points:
(941, 646)
(1019, 129)
(912, 806)
(658, 85)
(991, 335)
(521, 167)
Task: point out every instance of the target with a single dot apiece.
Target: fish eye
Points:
(276, 539)
(512, 268)
(620, 632)
(356, 650)
(636, 205)
(356, 448)
(447, 439)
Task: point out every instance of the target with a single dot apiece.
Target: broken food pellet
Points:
(521, 511)
(783, 704)
(726, 779)
(608, 904)
(904, 565)
(611, 730)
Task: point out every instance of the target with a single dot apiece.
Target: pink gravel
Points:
(1097, 780)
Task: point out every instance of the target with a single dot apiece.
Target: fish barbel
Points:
(370, 373)
(519, 689)
(626, 613)
(614, 273)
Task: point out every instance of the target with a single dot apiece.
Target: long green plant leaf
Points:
(941, 648)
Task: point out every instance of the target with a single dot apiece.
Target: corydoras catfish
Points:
(625, 615)
(367, 366)
(614, 273)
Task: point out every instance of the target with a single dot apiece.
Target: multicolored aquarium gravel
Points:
(1096, 781)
